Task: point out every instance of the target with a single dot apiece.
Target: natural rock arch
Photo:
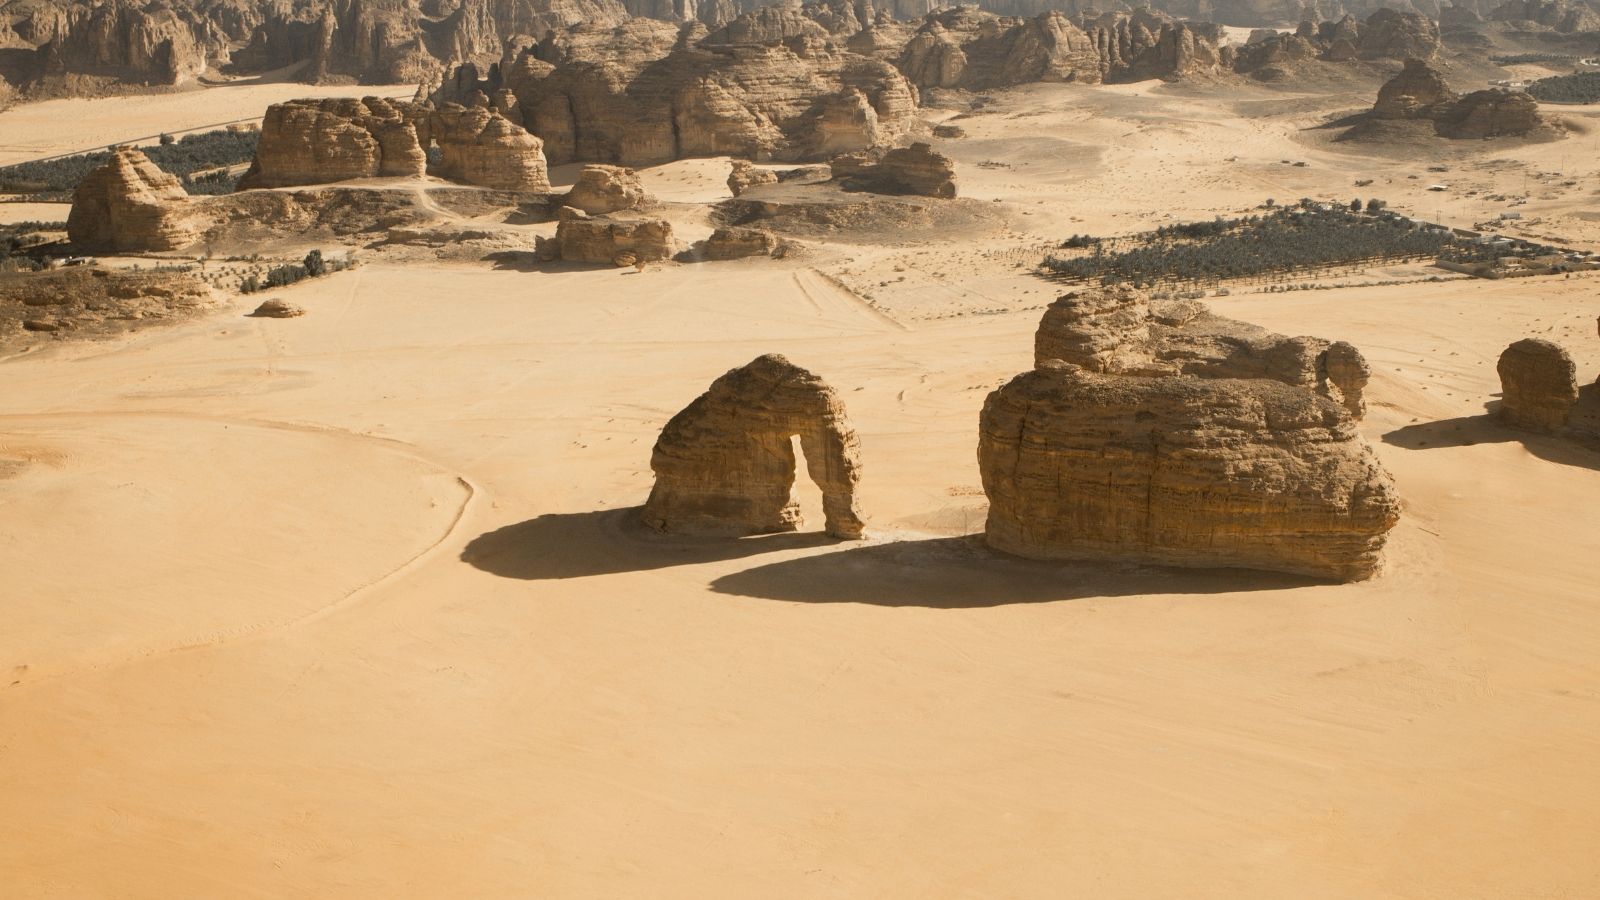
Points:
(725, 465)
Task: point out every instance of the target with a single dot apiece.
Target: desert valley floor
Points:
(357, 604)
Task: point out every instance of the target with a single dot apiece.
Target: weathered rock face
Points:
(738, 243)
(1386, 34)
(961, 47)
(1418, 92)
(613, 241)
(1495, 112)
(1118, 330)
(1538, 385)
(631, 98)
(479, 146)
(323, 141)
(918, 170)
(129, 205)
(604, 189)
(746, 176)
(335, 139)
(1181, 470)
(725, 465)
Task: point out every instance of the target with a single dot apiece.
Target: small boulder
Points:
(278, 309)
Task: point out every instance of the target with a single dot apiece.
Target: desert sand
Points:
(356, 604)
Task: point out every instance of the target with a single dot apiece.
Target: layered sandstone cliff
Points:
(725, 465)
(1181, 470)
(128, 205)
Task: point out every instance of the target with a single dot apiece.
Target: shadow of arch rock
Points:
(725, 465)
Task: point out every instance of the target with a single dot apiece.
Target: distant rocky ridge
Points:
(1384, 35)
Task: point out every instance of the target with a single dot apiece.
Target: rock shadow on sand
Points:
(963, 573)
(1578, 446)
(608, 542)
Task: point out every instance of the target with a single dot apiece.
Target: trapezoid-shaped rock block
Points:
(602, 189)
(129, 205)
(725, 465)
(1538, 385)
(1182, 471)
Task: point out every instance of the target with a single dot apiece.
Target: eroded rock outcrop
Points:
(917, 170)
(746, 176)
(481, 147)
(1538, 385)
(1418, 92)
(602, 189)
(725, 465)
(1119, 330)
(739, 243)
(1495, 112)
(633, 97)
(128, 205)
(1385, 35)
(609, 240)
(1181, 470)
(307, 142)
(322, 141)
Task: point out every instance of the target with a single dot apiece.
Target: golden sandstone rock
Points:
(1163, 434)
(1538, 385)
(725, 465)
(1181, 470)
(128, 205)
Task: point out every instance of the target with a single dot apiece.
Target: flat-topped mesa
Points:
(725, 465)
(1183, 471)
(602, 189)
(321, 141)
(128, 205)
(917, 170)
(607, 240)
(1119, 330)
(481, 147)
(1418, 92)
(1538, 385)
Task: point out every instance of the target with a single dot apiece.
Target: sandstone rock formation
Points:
(738, 243)
(1418, 92)
(961, 47)
(1563, 16)
(918, 170)
(630, 97)
(608, 240)
(746, 176)
(1538, 385)
(335, 139)
(479, 146)
(128, 205)
(1181, 470)
(1386, 34)
(323, 141)
(1495, 112)
(1119, 330)
(278, 309)
(602, 189)
(725, 465)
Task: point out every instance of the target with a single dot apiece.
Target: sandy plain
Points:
(355, 604)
